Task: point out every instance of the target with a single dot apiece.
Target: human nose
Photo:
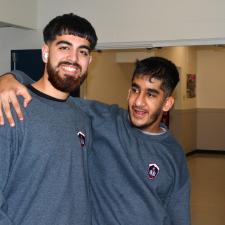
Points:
(73, 56)
(140, 99)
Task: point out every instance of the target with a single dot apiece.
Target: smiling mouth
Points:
(71, 70)
(138, 113)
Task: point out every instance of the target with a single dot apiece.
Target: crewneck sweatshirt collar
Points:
(43, 95)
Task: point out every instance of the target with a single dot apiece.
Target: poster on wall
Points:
(191, 85)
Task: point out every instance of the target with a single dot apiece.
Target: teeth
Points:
(139, 112)
(70, 69)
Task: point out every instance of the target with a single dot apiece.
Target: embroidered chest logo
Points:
(153, 171)
(82, 138)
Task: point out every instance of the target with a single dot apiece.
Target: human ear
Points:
(90, 60)
(168, 104)
(45, 51)
(46, 56)
(128, 95)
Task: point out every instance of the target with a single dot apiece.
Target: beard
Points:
(67, 84)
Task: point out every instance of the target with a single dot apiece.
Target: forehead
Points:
(72, 39)
(146, 81)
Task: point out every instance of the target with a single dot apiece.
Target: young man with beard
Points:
(138, 171)
(43, 161)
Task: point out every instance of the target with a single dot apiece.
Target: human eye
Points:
(134, 89)
(151, 94)
(64, 47)
(84, 52)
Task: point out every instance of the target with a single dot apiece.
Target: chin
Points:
(138, 124)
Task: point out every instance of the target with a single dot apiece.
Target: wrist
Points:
(7, 75)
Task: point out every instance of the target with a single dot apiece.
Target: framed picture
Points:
(191, 85)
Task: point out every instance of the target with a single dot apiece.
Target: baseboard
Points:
(204, 151)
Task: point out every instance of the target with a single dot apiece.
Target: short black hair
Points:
(70, 24)
(161, 69)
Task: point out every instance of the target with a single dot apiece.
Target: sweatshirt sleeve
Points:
(22, 77)
(96, 110)
(7, 144)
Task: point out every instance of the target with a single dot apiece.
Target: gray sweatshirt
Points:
(43, 165)
(135, 178)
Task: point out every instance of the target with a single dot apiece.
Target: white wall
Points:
(21, 13)
(131, 23)
(120, 24)
(14, 38)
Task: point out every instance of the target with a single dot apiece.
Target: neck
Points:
(154, 130)
(43, 85)
(162, 130)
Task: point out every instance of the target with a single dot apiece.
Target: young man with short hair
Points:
(138, 171)
(43, 161)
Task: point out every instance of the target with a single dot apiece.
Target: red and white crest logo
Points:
(82, 138)
(153, 171)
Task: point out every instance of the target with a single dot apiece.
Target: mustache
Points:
(138, 108)
(70, 64)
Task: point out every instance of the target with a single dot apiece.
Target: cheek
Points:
(53, 58)
(58, 56)
(155, 107)
(84, 64)
(52, 63)
(130, 100)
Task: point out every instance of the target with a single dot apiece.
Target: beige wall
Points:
(108, 81)
(192, 120)
(211, 98)
(199, 123)
(110, 75)
(211, 77)
(184, 109)
(185, 60)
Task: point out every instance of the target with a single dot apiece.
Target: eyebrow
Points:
(68, 43)
(86, 47)
(149, 90)
(63, 42)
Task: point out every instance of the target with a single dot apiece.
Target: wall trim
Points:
(162, 43)
(202, 110)
(204, 151)
(182, 111)
(210, 110)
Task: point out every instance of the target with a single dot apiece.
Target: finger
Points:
(27, 101)
(16, 106)
(1, 114)
(8, 114)
(26, 95)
